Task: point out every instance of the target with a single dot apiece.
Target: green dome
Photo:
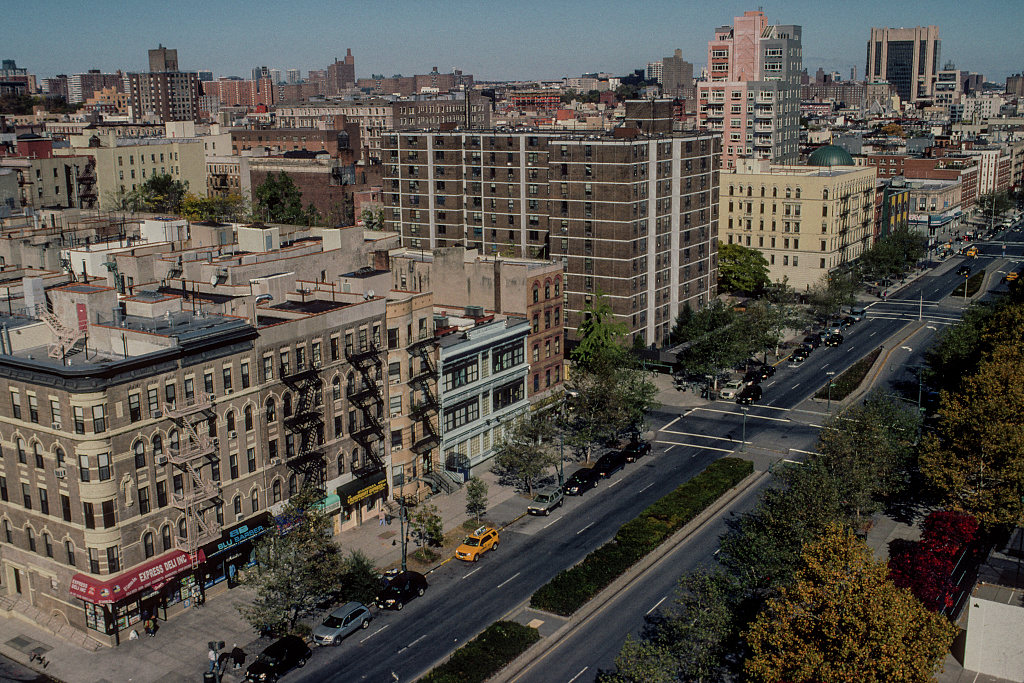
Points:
(830, 155)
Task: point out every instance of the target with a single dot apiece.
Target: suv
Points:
(609, 463)
(731, 388)
(766, 371)
(400, 589)
(545, 501)
(581, 480)
(749, 395)
(342, 622)
(477, 543)
(635, 450)
(834, 339)
(279, 658)
(812, 340)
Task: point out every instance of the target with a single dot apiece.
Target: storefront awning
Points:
(155, 572)
(362, 487)
(329, 504)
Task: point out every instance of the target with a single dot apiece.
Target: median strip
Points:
(488, 653)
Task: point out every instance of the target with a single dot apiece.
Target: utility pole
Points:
(743, 443)
(829, 404)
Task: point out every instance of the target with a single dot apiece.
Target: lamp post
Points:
(403, 529)
(967, 275)
(569, 395)
(743, 443)
(830, 373)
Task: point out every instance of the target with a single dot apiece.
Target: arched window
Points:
(139, 449)
(731, 191)
(248, 418)
(276, 491)
(547, 290)
(60, 456)
(536, 293)
(172, 440)
(22, 457)
(341, 462)
(69, 550)
(236, 504)
(798, 193)
(165, 536)
(775, 192)
(47, 544)
(286, 406)
(182, 533)
(557, 283)
(254, 500)
(293, 485)
(271, 410)
(230, 420)
(350, 384)
(336, 388)
(762, 190)
(31, 536)
(789, 193)
(750, 191)
(158, 445)
(824, 193)
(148, 546)
(37, 451)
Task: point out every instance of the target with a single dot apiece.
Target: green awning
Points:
(330, 503)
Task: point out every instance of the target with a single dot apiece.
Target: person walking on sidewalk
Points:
(382, 516)
(212, 656)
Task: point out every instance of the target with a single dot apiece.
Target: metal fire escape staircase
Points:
(425, 411)
(67, 338)
(368, 398)
(307, 422)
(198, 495)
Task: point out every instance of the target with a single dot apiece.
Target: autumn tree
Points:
(843, 620)
(741, 269)
(975, 457)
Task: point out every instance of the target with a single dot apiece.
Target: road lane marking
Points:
(472, 572)
(796, 385)
(700, 447)
(584, 528)
(412, 643)
(374, 633)
(751, 415)
(670, 447)
(671, 423)
(551, 522)
(873, 333)
(702, 436)
(656, 605)
(504, 582)
(615, 482)
(825, 365)
(646, 487)
(578, 675)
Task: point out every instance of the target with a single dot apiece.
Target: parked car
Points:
(402, 588)
(812, 340)
(546, 500)
(749, 395)
(752, 377)
(477, 543)
(635, 450)
(798, 356)
(834, 339)
(342, 622)
(609, 463)
(767, 371)
(279, 658)
(581, 480)
(731, 388)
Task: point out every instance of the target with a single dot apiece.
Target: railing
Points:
(355, 354)
(191, 450)
(188, 406)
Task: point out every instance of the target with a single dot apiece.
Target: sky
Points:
(518, 40)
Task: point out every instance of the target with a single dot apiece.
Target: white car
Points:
(730, 389)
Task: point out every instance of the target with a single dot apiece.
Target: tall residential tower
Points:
(908, 58)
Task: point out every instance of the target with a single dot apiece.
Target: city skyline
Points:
(539, 41)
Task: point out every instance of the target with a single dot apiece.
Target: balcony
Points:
(422, 343)
(424, 407)
(191, 450)
(425, 443)
(424, 374)
(299, 373)
(188, 406)
(366, 394)
(361, 354)
(371, 427)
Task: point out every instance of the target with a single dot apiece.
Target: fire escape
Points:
(369, 430)
(87, 186)
(306, 423)
(68, 339)
(425, 409)
(198, 496)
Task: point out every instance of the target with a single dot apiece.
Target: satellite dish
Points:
(369, 294)
(213, 280)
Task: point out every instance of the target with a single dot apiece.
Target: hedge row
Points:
(846, 383)
(485, 655)
(973, 284)
(573, 587)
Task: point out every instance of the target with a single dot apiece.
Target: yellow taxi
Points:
(477, 543)
(973, 251)
(1011, 276)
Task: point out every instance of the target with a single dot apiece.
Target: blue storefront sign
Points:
(237, 536)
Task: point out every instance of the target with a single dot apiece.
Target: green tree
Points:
(426, 526)
(278, 200)
(598, 334)
(741, 269)
(476, 497)
(523, 456)
(160, 194)
(711, 339)
(232, 207)
(983, 327)
(297, 569)
(994, 203)
(373, 218)
(834, 291)
(842, 620)
(360, 580)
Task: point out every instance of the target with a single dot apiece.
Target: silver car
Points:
(342, 622)
(545, 501)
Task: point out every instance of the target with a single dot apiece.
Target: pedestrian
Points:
(382, 516)
(212, 656)
(238, 656)
(150, 625)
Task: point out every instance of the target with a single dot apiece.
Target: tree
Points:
(741, 269)
(712, 339)
(360, 581)
(373, 218)
(476, 497)
(994, 203)
(161, 194)
(232, 207)
(844, 620)
(598, 333)
(298, 567)
(834, 291)
(278, 200)
(522, 455)
(427, 527)
(975, 458)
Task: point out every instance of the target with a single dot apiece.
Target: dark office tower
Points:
(907, 58)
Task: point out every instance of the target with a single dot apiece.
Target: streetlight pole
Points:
(403, 528)
(743, 443)
(968, 275)
(830, 373)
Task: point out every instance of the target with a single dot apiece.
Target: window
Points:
(3, 488)
(165, 536)
(508, 394)
(461, 414)
(99, 419)
(79, 413)
(236, 505)
(461, 374)
(254, 500)
(508, 356)
(31, 537)
(161, 494)
(83, 467)
(233, 465)
(65, 507)
(148, 546)
(22, 457)
(8, 536)
(69, 551)
(276, 491)
(113, 563)
(153, 401)
(55, 414)
(271, 410)
(250, 457)
(37, 451)
(104, 466)
(108, 514)
(245, 375)
(26, 496)
(16, 405)
(170, 392)
(190, 389)
(226, 377)
(134, 407)
(208, 382)
(47, 544)
(247, 413)
(268, 368)
(140, 454)
(230, 420)
(44, 501)
(88, 516)
(144, 500)
(33, 409)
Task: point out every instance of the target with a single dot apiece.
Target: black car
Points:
(749, 394)
(834, 340)
(279, 658)
(609, 463)
(812, 340)
(798, 355)
(581, 480)
(752, 377)
(635, 450)
(849, 320)
(766, 371)
(400, 589)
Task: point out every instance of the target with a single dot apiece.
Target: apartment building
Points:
(906, 58)
(83, 86)
(805, 220)
(46, 182)
(633, 216)
(752, 95)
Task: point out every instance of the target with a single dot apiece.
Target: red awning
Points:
(155, 572)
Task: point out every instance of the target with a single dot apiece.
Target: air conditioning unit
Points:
(56, 425)
(60, 472)
(395, 415)
(232, 435)
(228, 391)
(276, 461)
(239, 516)
(161, 460)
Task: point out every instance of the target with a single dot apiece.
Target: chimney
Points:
(380, 259)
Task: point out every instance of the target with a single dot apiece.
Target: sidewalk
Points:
(178, 653)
